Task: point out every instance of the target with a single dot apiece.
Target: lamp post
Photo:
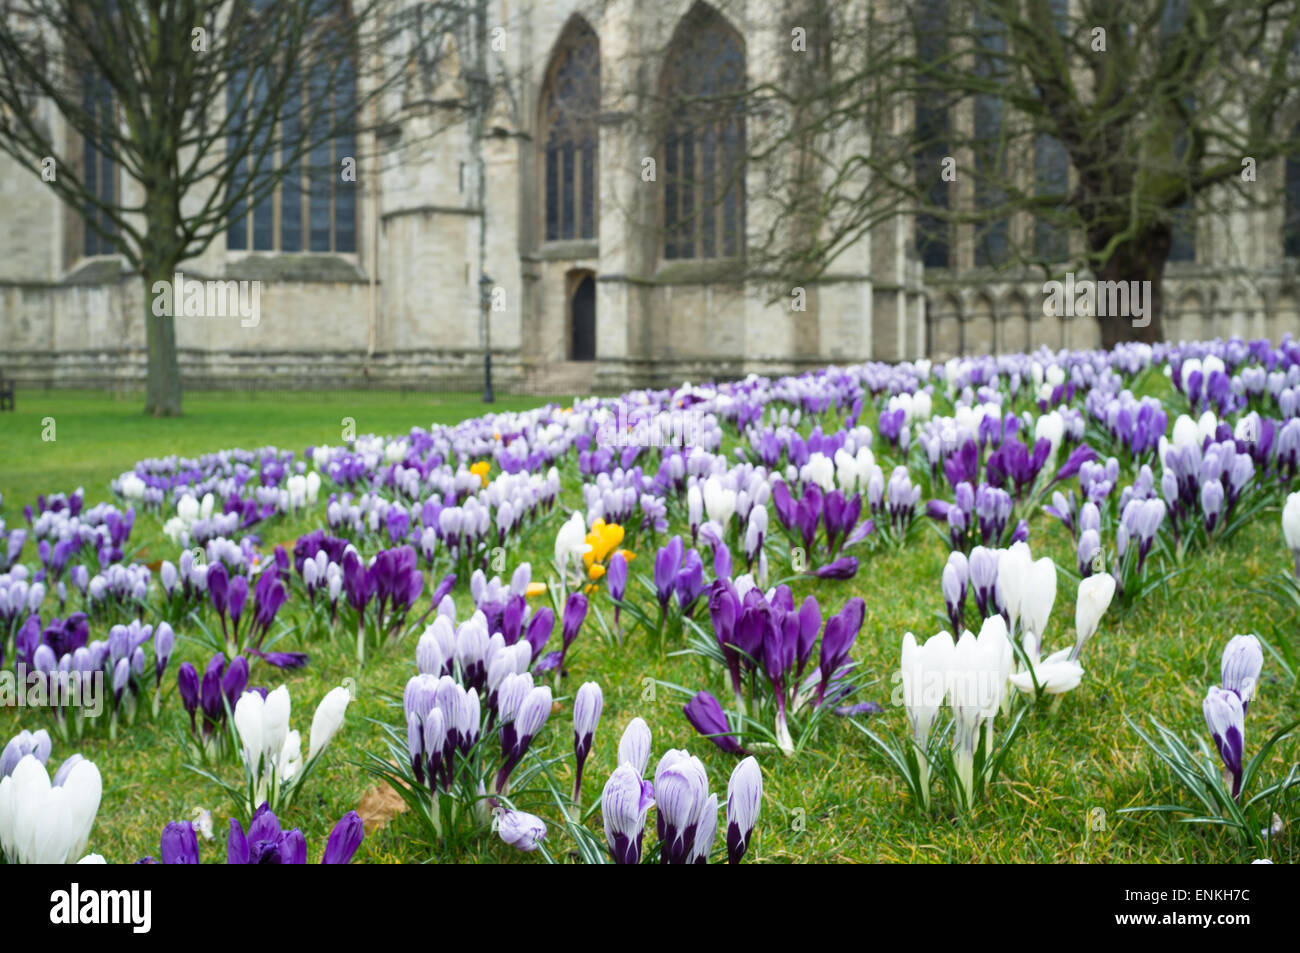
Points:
(485, 299)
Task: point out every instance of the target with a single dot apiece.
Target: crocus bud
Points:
(681, 790)
(617, 576)
(1095, 594)
(706, 716)
(344, 839)
(179, 845)
(623, 806)
(187, 682)
(248, 724)
(1242, 661)
(634, 746)
(327, 720)
(706, 830)
(1291, 526)
(35, 743)
(521, 830)
(164, 640)
(121, 675)
(428, 653)
(1226, 719)
(744, 797)
(586, 716)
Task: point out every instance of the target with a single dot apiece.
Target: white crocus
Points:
(328, 719)
(1291, 524)
(1013, 580)
(1040, 594)
(1186, 433)
(1095, 594)
(924, 671)
(275, 723)
(41, 823)
(719, 502)
(1055, 675)
(1051, 426)
(248, 724)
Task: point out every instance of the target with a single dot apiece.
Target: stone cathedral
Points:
(532, 208)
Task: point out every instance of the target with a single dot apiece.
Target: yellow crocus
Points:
(535, 589)
(480, 470)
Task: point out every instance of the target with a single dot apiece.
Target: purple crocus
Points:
(344, 839)
(624, 804)
(1226, 718)
(706, 716)
(846, 567)
(668, 562)
(179, 845)
(587, 706)
(187, 682)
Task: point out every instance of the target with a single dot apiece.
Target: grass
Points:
(836, 802)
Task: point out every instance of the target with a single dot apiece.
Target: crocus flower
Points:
(344, 839)
(187, 681)
(668, 562)
(954, 590)
(1291, 528)
(1243, 659)
(624, 804)
(744, 797)
(1095, 594)
(616, 579)
(924, 671)
(706, 716)
(521, 830)
(180, 845)
(42, 823)
(35, 743)
(327, 720)
(587, 706)
(1226, 718)
(681, 789)
(846, 567)
(634, 746)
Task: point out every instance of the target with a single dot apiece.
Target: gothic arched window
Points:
(312, 206)
(570, 103)
(702, 87)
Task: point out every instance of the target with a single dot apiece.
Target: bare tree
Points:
(1022, 137)
(207, 106)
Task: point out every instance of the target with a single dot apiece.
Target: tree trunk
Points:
(1141, 260)
(163, 391)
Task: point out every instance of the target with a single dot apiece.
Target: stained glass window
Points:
(570, 104)
(704, 146)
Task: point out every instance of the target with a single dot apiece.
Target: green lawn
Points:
(835, 802)
(97, 435)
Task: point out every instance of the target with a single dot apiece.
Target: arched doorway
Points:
(582, 320)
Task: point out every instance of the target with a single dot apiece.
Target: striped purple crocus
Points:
(1226, 717)
(624, 803)
(587, 707)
